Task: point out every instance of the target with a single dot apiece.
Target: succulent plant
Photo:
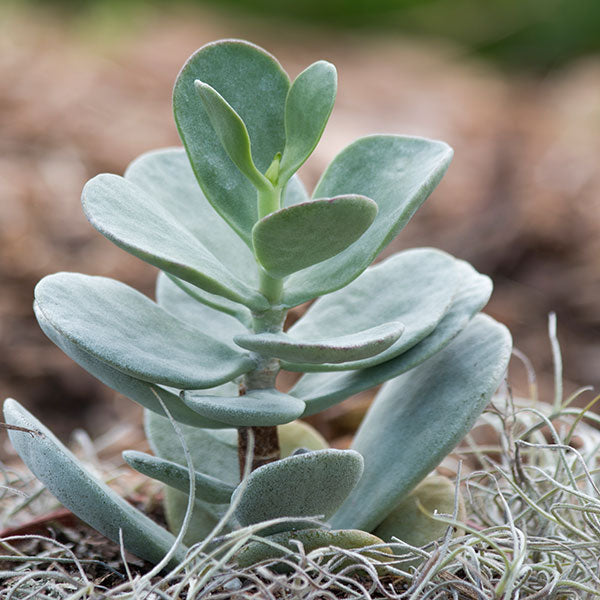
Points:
(239, 242)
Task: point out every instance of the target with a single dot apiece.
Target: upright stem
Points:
(269, 199)
(266, 446)
(266, 442)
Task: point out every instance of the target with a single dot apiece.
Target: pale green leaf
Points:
(255, 86)
(144, 226)
(430, 410)
(177, 476)
(214, 453)
(166, 175)
(311, 539)
(137, 390)
(232, 132)
(412, 520)
(256, 408)
(304, 485)
(355, 346)
(87, 497)
(205, 516)
(181, 300)
(299, 434)
(126, 330)
(414, 287)
(322, 390)
(295, 192)
(307, 108)
(197, 295)
(398, 173)
(301, 235)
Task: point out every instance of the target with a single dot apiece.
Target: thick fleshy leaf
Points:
(429, 409)
(232, 132)
(183, 309)
(322, 390)
(299, 434)
(137, 390)
(180, 300)
(166, 175)
(303, 485)
(311, 539)
(255, 86)
(398, 173)
(126, 330)
(307, 108)
(207, 488)
(414, 287)
(214, 453)
(301, 235)
(90, 499)
(141, 224)
(257, 408)
(411, 519)
(295, 192)
(354, 346)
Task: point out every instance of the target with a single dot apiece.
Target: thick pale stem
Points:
(266, 442)
(269, 200)
(270, 287)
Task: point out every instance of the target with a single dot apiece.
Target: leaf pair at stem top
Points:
(299, 236)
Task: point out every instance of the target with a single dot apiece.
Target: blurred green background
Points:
(520, 34)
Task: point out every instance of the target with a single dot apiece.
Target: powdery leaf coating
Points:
(303, 485)
(231, 130)
(296, 237)
(137, 390)
(214, 453)
(410, 520)
(311, 539)
(322, 390)
(299, 434)
(307, 108)
(294, 192)
(429, 409)
(355, 346)
(166, 175)
(144, 225)
(208, 488)
(398, 173)
(256, 408)
(123, 328)
(255, 86)
(414, 287)
(87, 497)
(182, 301)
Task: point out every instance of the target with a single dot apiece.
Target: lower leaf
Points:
(90, 499)
(419, 417)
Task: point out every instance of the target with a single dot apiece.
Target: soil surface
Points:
(520, 201)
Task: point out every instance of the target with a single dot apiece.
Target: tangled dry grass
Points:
(532, 532)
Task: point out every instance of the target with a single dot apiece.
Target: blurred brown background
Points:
(85, 91)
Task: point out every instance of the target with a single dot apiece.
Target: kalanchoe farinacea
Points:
(239, 242)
